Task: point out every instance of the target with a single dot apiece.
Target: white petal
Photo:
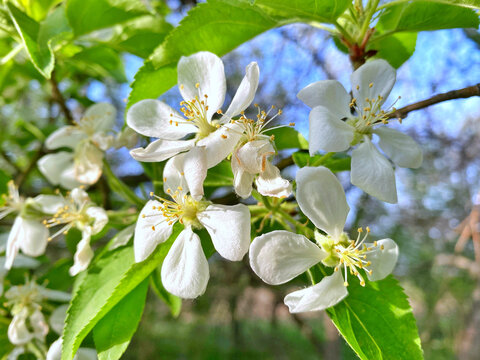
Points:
(99, 117)
(279, 256)
(242, 180)
(13, 242)
(38, 324)
(18, 333)
(271, 183)
(160, 150)
(84, 253)
(328, 132)
(53, 165)
(245, 93)
(401, 148)
(229, 228)
(49, 204)
(33, 237)
(152, 118)
(99, 217)
(79, 197)
(220, 143)
(383, 261)
(327, 293)
(322, 199)
(122, 237)
(206, 70)
(327, 93)
(55, 350)
(195, 170)
(54, 295)
(126, 138)
(252, 156)
(174, 176)
(377, 73)
(146, 239)
(185, 270)
(372, 173)
(103, 141)
(67, 177)
(88, 163)
(66, 136)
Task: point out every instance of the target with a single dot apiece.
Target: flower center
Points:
(195, 112)
(21, 296)
(183, 209)
(347, 253)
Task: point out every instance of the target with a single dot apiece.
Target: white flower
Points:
(88, 139)
(280, 256)
(28, 322)
(185, 270)
(202, 84)
(250, 158)
(27, 233)
(334, 128)
(79, 211)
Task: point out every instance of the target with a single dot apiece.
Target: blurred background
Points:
(239, 317)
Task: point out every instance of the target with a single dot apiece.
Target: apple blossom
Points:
(333, 128)
(185, 270)
(80, 212)
(202, 84)
(279, 256)
(89, 139)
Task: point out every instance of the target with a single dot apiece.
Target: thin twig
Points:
(7, 159)
(22, 176)
(464, 93)
(60, 100)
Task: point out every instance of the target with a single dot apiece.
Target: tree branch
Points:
(60, 100)
(464, 93)
(22, 176)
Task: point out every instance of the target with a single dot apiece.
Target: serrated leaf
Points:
(422, 15)
(219, 26)
(88, 15)
(113, 332)
(172, 301)
(377, 321)
(288, 138)
(107, 282)
(396, 48)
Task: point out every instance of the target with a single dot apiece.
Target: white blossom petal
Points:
(195, 170)
(245, 92)
(151, 229)
(55, 350)
(49, 204)
(229, 228)
(271, 183)
(38, 324)
(383, 259)
(174, 176)
(54, 166)
(328, 132)
(99, 117)
(99, 217)
(185, 270)
(206, 70)
(327, 293)
(79, 196)
(220, 143)
(242, 180)
(372, 173)
(329, 94)
(84, 253)
(18, 332)
(88, 163)
(252, 156)
(154, 118)
(122, 237)
(103, 141)
(322, 199)
(377, 73)
(401, 148)
(54, 295)
(160, 150)
(279, 256)
(66, 136)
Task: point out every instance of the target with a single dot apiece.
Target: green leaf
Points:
(288, 138)
(396, 48)
(336, 163)
(424, 15)
(220, 26)
(101, 62)
(113, 332)
(107, 282)
(41, 55)
(219, 175)
(89, 15)
(38, 9)
(5, 345)
(377, 321)
(172, 301)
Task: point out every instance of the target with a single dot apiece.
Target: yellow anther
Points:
(151, 193)
(197, 85)
(153, 228)
(368, 229)
(291, 124)
(360, 230)
(370, 85)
